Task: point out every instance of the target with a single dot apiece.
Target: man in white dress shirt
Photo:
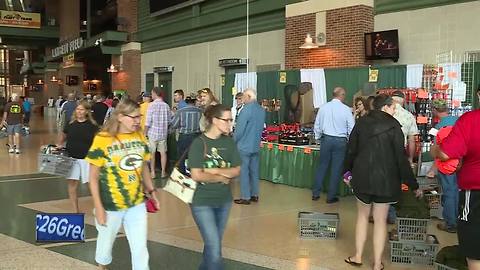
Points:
(333, 125)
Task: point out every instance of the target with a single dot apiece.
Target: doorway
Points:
(165, 83)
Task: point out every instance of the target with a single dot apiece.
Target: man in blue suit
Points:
(247, 135)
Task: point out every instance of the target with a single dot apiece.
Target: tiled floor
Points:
(258, 236)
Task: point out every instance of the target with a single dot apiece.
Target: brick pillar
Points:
(129, 77)
(345, 38)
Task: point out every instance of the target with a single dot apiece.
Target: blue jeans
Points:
(183, 144)
(249, 175)
(211, 222)
(134, 222)
(332, 150)
(449, 198)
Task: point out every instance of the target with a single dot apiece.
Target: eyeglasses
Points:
(133, 116)
(230, 120)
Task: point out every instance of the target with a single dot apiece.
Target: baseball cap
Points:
(439, 103)
(145, 94)
(398, 93)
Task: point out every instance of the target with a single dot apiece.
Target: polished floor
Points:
(258, 236)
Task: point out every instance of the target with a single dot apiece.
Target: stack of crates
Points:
(312, 225)
(433, 194)
(413, 246)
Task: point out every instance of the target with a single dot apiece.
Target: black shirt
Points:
(99, 111)
(79, 138)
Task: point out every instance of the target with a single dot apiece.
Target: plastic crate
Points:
(412, 229)
(425, 183)
(439, 266)
(414, 253)
(435, 204)
(55, 164)
(312, 225)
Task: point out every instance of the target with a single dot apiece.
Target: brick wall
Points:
(129, 78)
(345, 39)
(127, 10)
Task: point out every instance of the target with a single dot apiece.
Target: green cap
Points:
(439, 104)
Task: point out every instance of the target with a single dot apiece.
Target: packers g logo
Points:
(15, 109)
(131, 162)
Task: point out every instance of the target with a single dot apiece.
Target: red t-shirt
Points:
(464, 143)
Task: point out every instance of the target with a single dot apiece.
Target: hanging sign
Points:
(372, 75)
(164, 69)
(68, 47)
(283, 77)
(69, 60)
(20, 19)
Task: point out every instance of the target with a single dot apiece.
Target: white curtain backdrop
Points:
(317, 78)
(242, 82)
(414, 76)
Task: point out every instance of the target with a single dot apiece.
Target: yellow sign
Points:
(223, 80)
(372, 75)
(234, 91)
(69, 60)
(283, 77)
(20, 19)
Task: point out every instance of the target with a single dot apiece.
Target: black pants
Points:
(469, 223)
(183, 145)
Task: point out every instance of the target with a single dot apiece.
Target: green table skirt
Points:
(294, 168)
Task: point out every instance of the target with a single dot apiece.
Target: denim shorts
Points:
(14, 129)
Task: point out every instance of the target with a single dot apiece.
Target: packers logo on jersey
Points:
(131, 162)
(15, 109)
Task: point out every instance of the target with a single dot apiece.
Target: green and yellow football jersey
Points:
(121, 162)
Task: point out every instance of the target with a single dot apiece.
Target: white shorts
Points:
(80, 171)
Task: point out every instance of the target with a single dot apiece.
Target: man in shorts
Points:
(463, 143)
(13, 119)
(156, 129)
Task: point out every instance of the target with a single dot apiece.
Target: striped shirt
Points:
(187, 120)
(158, 116)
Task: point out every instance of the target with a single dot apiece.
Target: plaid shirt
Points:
(187, 120)
(158, 116)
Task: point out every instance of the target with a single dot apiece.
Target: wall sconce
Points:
(309, 44)
(40, 81)
(112, 69)
(54, 79)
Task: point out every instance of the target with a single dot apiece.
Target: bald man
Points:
(247, 135)
(333, 125)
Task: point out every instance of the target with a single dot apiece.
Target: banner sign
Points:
(19, 19)
(60, 227)
(68, 47)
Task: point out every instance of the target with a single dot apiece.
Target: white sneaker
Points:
(11, 150)
(17, 151)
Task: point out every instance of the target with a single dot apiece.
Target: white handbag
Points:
(181, 186)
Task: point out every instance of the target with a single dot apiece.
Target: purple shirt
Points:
(158, 117)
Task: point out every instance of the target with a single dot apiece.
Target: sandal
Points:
(383, 266)
(349, 261)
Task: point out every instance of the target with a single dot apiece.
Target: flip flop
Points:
(349, 261)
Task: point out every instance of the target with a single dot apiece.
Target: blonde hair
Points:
(211, 97)
(125, 107)
(85, 104)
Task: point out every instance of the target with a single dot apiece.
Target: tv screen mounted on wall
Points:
(158, 7)
(382, 45)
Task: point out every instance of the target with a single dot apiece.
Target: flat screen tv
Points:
(158, 7)
(382, 45)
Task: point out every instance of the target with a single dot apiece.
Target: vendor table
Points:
(293, 165)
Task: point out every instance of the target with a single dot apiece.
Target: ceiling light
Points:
(54, 79)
